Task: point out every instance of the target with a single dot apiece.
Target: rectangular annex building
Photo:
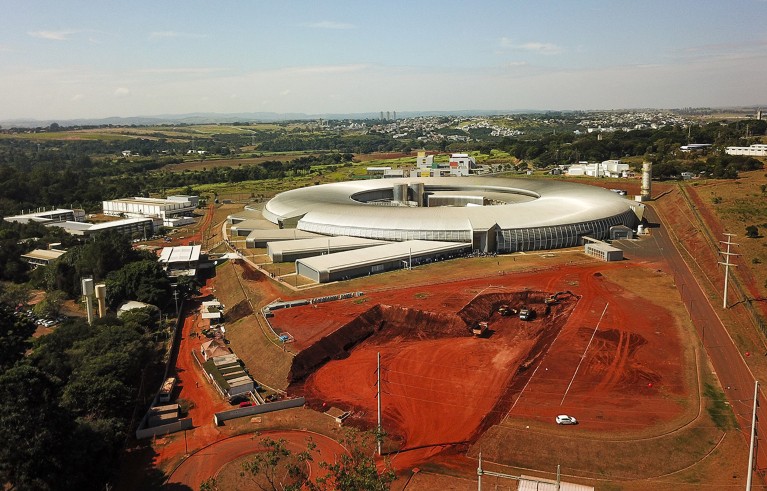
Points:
(377, 259)
(290, 250)
(603, 251)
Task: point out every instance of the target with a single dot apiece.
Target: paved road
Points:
(728, 362)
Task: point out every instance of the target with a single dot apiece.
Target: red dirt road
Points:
(210, 460)
(193, 386)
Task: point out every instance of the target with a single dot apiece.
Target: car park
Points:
(564, 419)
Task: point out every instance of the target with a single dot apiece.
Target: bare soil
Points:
(442, 387)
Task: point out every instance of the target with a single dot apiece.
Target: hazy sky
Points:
(98, 58)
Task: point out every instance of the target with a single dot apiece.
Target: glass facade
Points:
(533, 239)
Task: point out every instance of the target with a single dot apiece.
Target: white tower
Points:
(88, 294)
(646, 181)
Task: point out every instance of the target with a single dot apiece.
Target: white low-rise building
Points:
(608, 168)
(173, 210)
(755, 150)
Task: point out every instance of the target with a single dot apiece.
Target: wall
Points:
(180, 425)
(269, 407)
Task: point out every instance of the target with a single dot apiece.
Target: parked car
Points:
(247, 403)
(564, 419)
(235, 400)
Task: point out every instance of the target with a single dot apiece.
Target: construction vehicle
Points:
(526, 314)
(505, 310)
(552, 299)
(479, 329)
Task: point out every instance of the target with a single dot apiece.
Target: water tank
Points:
(646, 181)
(417, 192)
(101, 297)
(87, 286)
(399, 193)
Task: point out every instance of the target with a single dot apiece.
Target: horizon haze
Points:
(79, 59)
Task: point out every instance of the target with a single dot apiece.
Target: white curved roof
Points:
(530, 203)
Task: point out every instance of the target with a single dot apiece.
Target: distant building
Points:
(755, 150)
(608, 168)
(174, 211)
(49, 216)
(128, 226)
(694, 146)
(41, 257)
(460, 164)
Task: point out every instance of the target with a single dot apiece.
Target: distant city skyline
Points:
(84, 59)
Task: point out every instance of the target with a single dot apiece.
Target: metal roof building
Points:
(245, 227)
(260, 238)
(249, 213)
(515, 215)
(42, 257)
(181, 260)
(377, 259)
(144, 226)
(290, 250)
(47, 216)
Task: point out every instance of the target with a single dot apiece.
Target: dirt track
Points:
(209, 460)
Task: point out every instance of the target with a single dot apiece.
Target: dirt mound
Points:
(389, 323)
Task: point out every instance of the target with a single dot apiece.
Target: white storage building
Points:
(290, 250)
(377, 259)
(173, 211)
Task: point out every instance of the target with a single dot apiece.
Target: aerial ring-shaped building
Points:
(493, 214)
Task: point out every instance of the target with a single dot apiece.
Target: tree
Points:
(15, 332)
(17, 294)
(188, 286)
(752, 231)
(144, 281)
(51, 305)
(277, 469)
(356, 471)
(32, 429)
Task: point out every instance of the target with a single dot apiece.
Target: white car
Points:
(564, 419)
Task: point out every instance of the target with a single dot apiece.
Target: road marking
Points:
(584, 354)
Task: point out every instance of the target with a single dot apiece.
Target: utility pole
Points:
(378, 396)
(175, 297)
(479, 472)
(753, 438)
(727, 264)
